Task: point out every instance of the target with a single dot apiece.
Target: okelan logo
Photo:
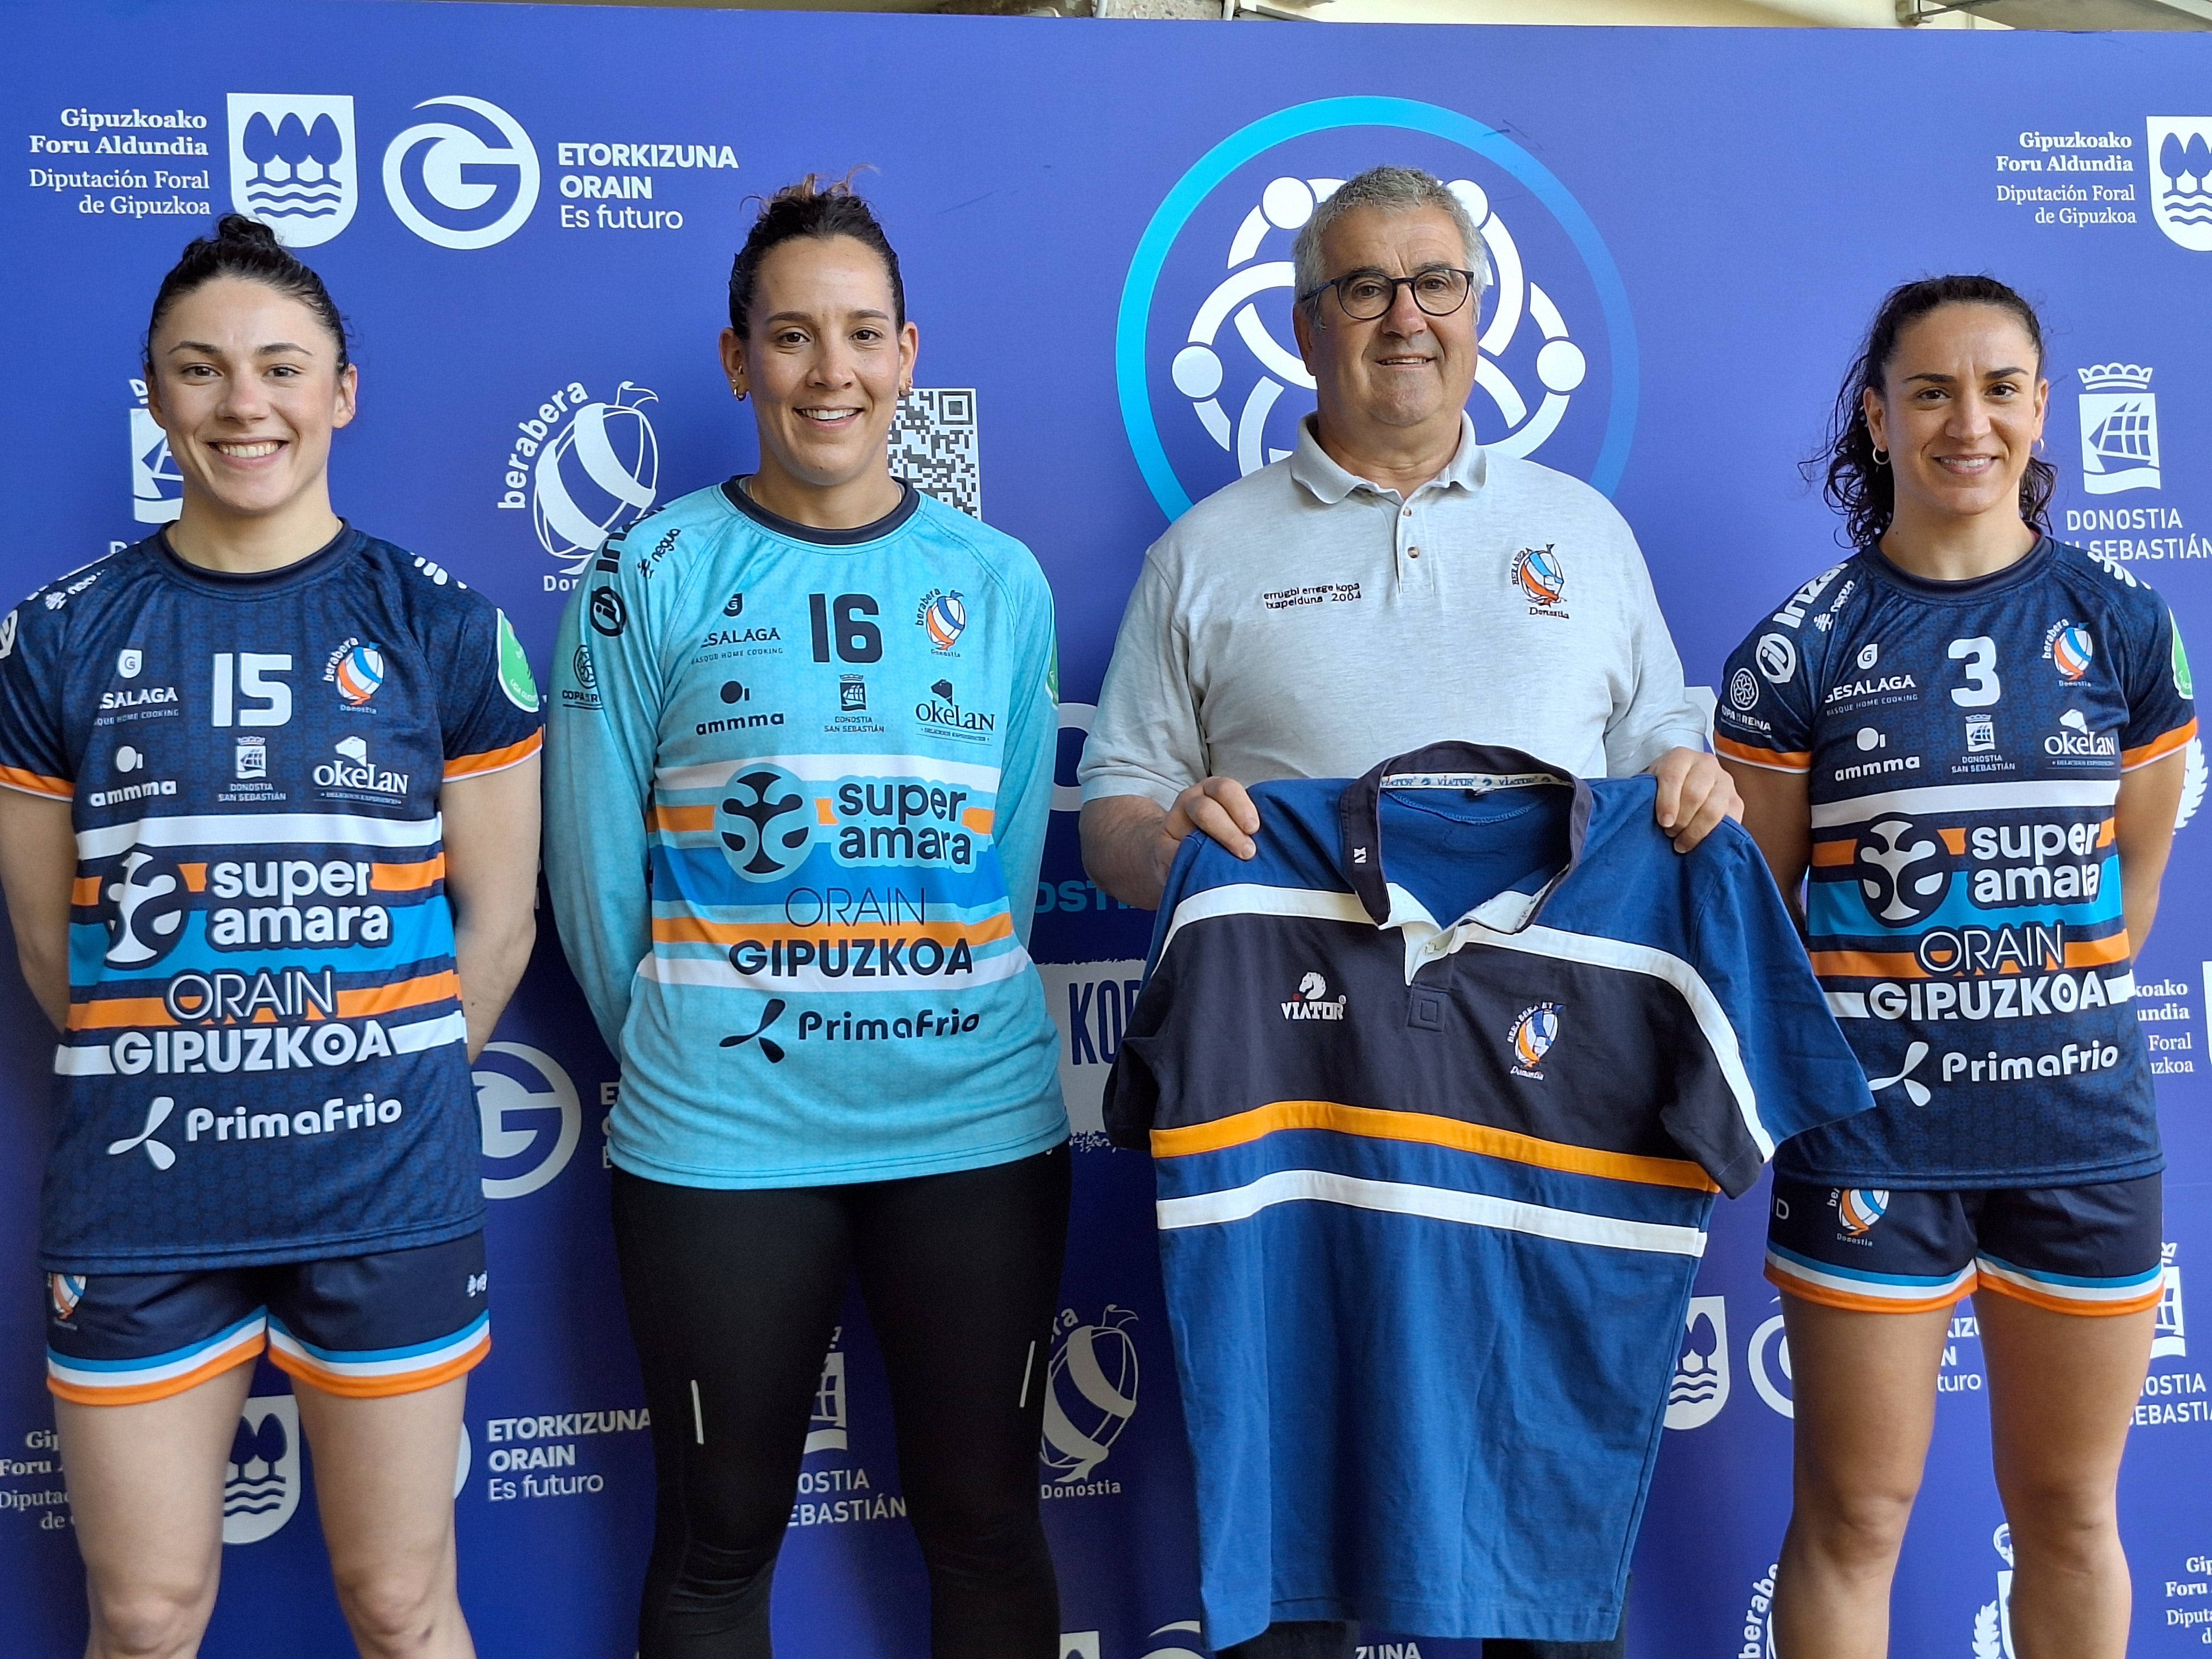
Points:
(2119, 428)
(530, 1117)
(2181, 179)
(467, 181)
(292, 164)
(585, 468)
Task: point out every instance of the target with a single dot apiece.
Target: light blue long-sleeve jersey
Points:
(797, 785)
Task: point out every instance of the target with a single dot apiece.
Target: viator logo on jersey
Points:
(1532, 1036)
(1313, 1001)
(294, 164)
(591, 468)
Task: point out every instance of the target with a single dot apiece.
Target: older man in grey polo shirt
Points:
(1391, 584)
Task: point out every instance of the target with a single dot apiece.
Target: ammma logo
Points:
(292, 164)
(530, 1116)
(468, 181)
(1091, 1394)
(261, 1479)
(1210, 389)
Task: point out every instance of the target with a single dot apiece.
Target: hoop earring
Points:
(1880, 455)
(737, 392)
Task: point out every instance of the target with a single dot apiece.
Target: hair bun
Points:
(237, 227)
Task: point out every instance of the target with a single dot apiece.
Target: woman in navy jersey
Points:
(1965, 745)
(268, 837)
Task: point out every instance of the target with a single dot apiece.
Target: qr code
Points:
(933, 445)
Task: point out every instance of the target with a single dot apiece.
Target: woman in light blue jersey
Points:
(1971, 738)
(800, 763)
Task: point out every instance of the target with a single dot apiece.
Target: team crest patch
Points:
(2069, 650)
(1532, 1035)
(357, 671)
(943, 617)
(1542, 580)
(66, 1290)
(1859, 1207)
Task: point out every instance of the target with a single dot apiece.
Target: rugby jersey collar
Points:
(252, 584)
(1329, 483)
(1479, 767)
(735, 492)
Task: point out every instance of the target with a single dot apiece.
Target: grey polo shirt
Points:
(1304, 622)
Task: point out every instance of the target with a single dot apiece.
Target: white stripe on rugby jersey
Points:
(260, 829)
(717, 971)
(1246, 898)
(1438, 1203)
(98, 1058)
(831, 769)
(1852, 1005)
(1968, 797)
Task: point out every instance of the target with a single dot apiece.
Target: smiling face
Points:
(1960, 409)
(1406, 370)
(824, 361)
(245, 382)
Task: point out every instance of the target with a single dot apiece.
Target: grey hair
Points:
(1394, 189)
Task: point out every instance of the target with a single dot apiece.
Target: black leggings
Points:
(733, 1295)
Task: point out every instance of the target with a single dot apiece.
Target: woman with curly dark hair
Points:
(1971, 738)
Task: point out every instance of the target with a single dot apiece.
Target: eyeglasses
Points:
(1365, 296)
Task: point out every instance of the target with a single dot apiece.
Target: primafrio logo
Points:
(529, 1116)
(1211, 387)
(1091, 1394)
(261, 1479)
(585, 468)
(2119, 428)
(1699, 1387)
(468, 181)
(292, 164)
(2181, 179)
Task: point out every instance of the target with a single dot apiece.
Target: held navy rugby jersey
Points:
(1432, 1193)
(797, 790)
(1963, 743)
(266, 1060)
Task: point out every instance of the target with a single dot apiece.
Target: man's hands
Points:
(1695, 793)
(1129, 843)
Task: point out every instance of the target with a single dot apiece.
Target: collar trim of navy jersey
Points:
(2026, 568)
(255, 581)
(1480, 767)
(735, 492)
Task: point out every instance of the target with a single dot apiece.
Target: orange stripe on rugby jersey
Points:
(689, 818)
(1376, 1124)
(37, 783)
(407, 877)
(1829, 854)
(2135, 1305)
(1774, 760)
(696, 930)
(1905, 964)
(138, 1394)
(494, 759)
(109, 1013)
(1807, 1291)
(2159, 747)
(379, 1388)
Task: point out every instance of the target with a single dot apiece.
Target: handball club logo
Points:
(943, 617)
(2069, 649)
(1539, 575)
(1532, 1035)
(1859, 1207)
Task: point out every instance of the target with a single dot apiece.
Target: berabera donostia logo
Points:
(591, 466)
(294, 164)
(1541, 578)
(529, 1116)
(466, 181)
(1859, 1207)
(1699, 1387)
(2181, 179)
(1210, 384)
(357, 670)
(2119, 428)
(1532, 1035)
(1091, 1394)
(2071, 650)
(261, 1481)
(157, 488)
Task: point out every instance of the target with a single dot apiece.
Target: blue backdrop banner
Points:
(528, 215)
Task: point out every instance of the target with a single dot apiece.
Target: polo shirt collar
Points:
(1329, 483)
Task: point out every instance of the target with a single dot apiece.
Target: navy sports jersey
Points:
(1965, 742)
(1432, 1193)
(265, 1057)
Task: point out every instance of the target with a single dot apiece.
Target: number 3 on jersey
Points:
(1983, 687)
(857, 641)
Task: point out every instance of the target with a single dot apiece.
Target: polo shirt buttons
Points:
(1412, 552)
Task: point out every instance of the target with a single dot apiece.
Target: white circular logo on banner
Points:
(447, 162)
(519, 1122)
(600, 474)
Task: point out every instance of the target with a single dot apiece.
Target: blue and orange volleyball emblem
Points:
(1541, 576)
(66, 1290)
(2071, 651)
(1859, 1207)
(1533, 1033)
(944, 618)
(360, 671)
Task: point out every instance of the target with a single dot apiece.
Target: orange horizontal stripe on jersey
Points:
(1774, 760)
(2019, 1292)
(1806, 1290)
(2095, 952)
(401, 994)
(195, 875)
(1828, 853)
(682, 817)
(697, 930)
(1429, 1130)
(112, 1014)
(1867, 964)
(379, 1388)
(407, 877)
(139, 1394)
(2159, 747)
(978, 818)
(85, 891)
(37, 783)
(494, 759)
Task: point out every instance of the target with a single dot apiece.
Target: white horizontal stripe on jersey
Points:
(2121, 988)
(137, 1376)
(2128, 1290)
(832, 768)
(1968, 797)
(284, 1342)
(93, 1059)
(1437, 1203)
(1880, 1289)
(429, 1033)
(260, 830)
(1248, 898)
(717, 971)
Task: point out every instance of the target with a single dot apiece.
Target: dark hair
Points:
(248, 249)
(1856, 484)
(810, 207)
